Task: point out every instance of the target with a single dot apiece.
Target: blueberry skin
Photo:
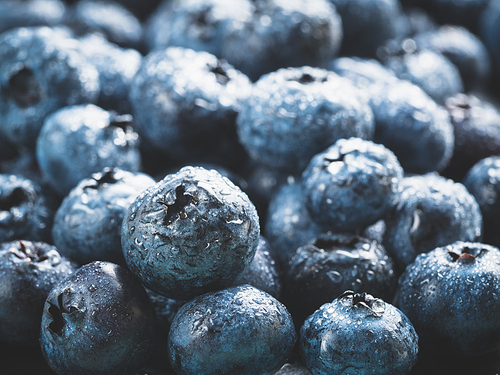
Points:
(331, 264)
(433, 211)
(294, 113)
(190, 233)
(26, 212)
(42, 70)
(99, 320)
(289, 224)
(351, 185)
(239, 330)
(293, 369)
(77, 141)
(450, 296)
(483, 182)
(116, 66)
(477, 134)
(87, 225)
(489, 29)
(358, 334)
(28, 271)
(185, 105)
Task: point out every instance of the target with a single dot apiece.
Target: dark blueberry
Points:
(190, 233)
(26, 212)
(77, 141)
(331, 264)
(294, 113)
(483, 182)
(450, 295)
(489, 28)
(41, 70)
(285, 33)
(433, 211)
(426, 68)
(110, 18)
(289, 224)
(367, 24)
(240, 330)
(87, 225)
(185, 104)
(476, 124)
(358, 334)
(264, 271)
(15, 13)
(465, 50)
(28, 271)
(351, 185)
(116, 67)
(99, 320)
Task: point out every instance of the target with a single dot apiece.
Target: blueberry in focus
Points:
(99, 320)
(42, 70)
(28, 271)
(87, 225)
(190, 233)
(358, 333)
(433, 211)
(77, 141)
(449, 294)
(294, 113)
(351, 185)
(238, 330)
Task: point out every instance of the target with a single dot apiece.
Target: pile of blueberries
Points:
(249, 187)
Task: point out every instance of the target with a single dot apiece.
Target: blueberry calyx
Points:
(220, 73)
(367, 301)
(24, 88)
(123, 122)
(58, 321)
(34, 253)
(466, 256)
(99, 179)
(459, 108)
(332, 244)
(16, 198)
(176, 210)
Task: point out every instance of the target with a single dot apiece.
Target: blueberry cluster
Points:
(249, 187)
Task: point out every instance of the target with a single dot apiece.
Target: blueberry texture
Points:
(87, 225)
(351, 185)
(190, 233)
(99, 320)
(433, 211)
(358, 334)
(239, 330)
(450, 295)
(42, 70)
(28, 271)
(294, 113)
(80, 140)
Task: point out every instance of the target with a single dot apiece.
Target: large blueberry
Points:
(451, 296)
(358, 334)
(240, 330)
(41, 70)
(99, 320)
(294, 113)
(351, 185)
(190, 233)
(28, 271)
(87, 225)
(77, 141)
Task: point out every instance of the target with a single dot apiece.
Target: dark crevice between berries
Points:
(200, 19)
(24, 88)
(34, 253)
(17, 197)
(176, 210)
(58, 321)
(220, 73)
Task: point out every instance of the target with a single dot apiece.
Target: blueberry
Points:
(351, 185)
(99, 320)
(26, 212)
(42, 70)
(433, 211)
(239, 330)
(185, 104)
(489, 28)
(80, 140)
(190, 233)
(294, 113)
(331, 264)
(28, 271)
(450, 296)
(358, 334)
(87, 225)
(293, 369)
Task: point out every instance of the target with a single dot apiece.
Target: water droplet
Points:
(335, 276)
